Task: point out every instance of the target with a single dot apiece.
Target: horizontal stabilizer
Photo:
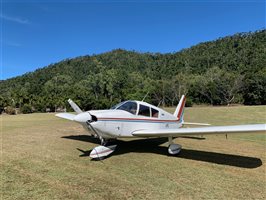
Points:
(66, 116)
(251, 128)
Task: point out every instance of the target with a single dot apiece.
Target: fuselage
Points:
(129, 116)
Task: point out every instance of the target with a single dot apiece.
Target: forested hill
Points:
(228, 70)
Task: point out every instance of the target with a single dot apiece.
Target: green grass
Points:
(40, 160)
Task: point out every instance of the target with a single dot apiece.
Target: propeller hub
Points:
(82, 117)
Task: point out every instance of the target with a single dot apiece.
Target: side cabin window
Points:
(129, 106)
(144, 110)
(154, 113)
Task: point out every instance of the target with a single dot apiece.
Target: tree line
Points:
(221, 72)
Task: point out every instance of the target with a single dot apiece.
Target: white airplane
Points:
(140, 119)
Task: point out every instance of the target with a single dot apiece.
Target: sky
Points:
(36, 33)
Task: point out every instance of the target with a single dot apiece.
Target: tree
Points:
(56, 90)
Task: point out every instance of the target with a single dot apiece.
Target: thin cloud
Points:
(45, 8)
(10, 43)
(15, 19)
(13, 44)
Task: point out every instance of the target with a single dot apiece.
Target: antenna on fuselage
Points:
(145, 96)
(159, 103)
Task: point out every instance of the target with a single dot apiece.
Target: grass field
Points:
(42, 158)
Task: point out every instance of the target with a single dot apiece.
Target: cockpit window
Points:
(129, 106)
(144, 110)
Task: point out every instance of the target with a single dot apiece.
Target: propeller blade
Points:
(68, 116)
(74, 106)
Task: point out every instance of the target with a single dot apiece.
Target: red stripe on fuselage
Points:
(142, 119)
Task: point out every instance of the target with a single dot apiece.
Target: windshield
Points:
(129, 106)
(117, 105)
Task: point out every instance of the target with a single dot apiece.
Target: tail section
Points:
(74, 106)
(179, 112)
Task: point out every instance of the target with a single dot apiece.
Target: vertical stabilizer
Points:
(179, 112)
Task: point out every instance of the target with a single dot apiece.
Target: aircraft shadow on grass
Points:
(152, 146)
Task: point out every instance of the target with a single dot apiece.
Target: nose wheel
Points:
(102, 151)
(173, 149)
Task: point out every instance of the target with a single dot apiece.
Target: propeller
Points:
(81, 117)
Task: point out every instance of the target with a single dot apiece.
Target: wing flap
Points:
(258, 128)
(66, 116)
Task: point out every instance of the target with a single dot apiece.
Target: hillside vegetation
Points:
(228, 70)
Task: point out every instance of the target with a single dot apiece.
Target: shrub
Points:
(26, 108)
(10, 110)
(189, 102)
(39, 107)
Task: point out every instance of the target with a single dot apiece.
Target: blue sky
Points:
(35, 33)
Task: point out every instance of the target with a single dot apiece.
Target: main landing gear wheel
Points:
(173, 149)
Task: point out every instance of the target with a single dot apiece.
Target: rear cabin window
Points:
(154, 112)
(144, 110)
(129, 106)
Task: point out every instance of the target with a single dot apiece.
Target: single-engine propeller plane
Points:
(140, 119)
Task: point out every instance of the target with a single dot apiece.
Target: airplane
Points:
(140, 119)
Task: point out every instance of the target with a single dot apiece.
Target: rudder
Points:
(179, 112)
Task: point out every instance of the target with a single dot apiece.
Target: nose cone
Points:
(82, 117)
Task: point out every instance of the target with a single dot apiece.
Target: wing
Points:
(252, 128)
(66, 116)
